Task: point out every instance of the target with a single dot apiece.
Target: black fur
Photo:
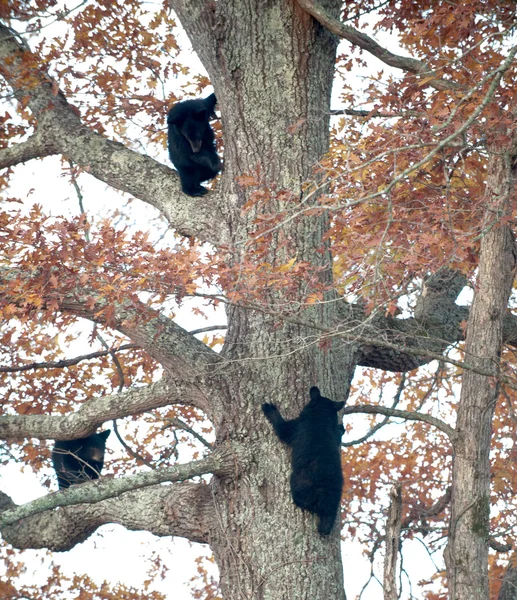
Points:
(77, 461)
(191, 143)
(315, 439)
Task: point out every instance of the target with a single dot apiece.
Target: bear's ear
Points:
(210, 102)
(201, 115)
(105, 434)
(338, 405)
(315, 393)
(176, 115)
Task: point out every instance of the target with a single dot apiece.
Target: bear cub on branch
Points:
(315, 440)
(77, 461)
(191, 143)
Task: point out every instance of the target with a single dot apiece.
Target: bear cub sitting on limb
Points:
(315, 440)
(77, 461)
(191, 143)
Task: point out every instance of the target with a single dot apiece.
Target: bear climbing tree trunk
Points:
(277, 56)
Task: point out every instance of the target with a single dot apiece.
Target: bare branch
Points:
(182, 509)
(420, 513)
(498, 546)
(182, 425)
(356, 37)
(372, 114)
(61, 129)
(181, 354)
(403, 414)
(208, 329)
(130, 450)
(120, 373)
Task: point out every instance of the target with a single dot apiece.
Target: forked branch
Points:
(61, 131)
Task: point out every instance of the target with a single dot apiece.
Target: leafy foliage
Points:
(402, 190)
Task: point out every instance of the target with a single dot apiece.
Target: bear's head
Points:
(317, 400)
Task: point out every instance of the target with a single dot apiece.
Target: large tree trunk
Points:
(280, 58)
(467, 551)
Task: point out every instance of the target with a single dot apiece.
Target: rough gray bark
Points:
(222, 462)
(182, 509)
(91, 415)
(467, 549)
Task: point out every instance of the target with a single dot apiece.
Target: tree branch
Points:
(62, 131)
(222, 462)
(403, 414)
(99, 410)
(421, 513)
(178, 423)
(498, 546)
(356, 37)
(405, 344)
(371, 114)
(34, 147)
(181, 354)
(182, 509)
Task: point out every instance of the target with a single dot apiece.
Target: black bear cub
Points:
(77, 461)
(191, 143)
(315, 440)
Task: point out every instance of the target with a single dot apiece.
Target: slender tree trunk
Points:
(467, 551)
(508, 589)
(392, 543)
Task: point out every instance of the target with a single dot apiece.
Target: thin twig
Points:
(207, 329)
(182, 425)
(376, 428)
(59, 364)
